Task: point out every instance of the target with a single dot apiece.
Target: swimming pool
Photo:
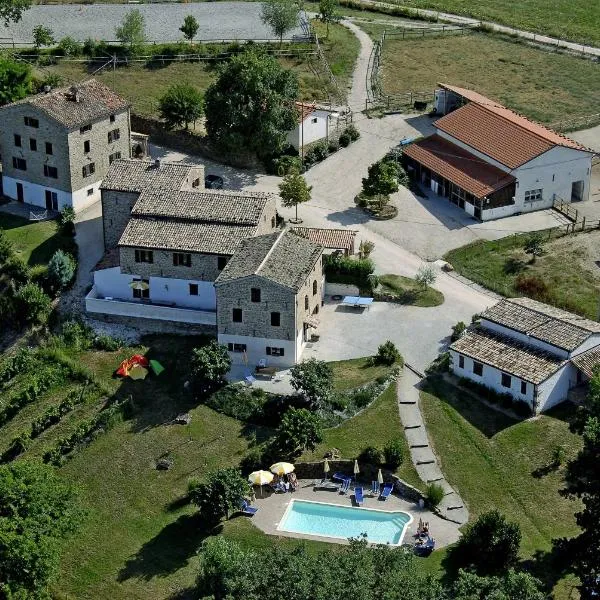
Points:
(343, 522)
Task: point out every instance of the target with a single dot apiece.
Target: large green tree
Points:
(15, 80)
(210, 364)
(512, 585)
(293, 191)
(181, 105)
(12, 10)
(220, 495)
(280, 15)
(313, 379)
(382, 179)
(132, 31)
(583, 482)
(489, 546)
(250, 107)
(338, 573)
(299, 430)
(37, 512)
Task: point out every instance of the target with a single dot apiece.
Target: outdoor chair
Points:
(345, 486)
(358, 495)
(386, 491)
(246, 509)
(341, 477)
(374, 488)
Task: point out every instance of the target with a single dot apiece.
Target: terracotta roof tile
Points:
(128, 175)
(336, 239)
(462, 168)
(508, 355)
(587, 361)
(95, 101)
(304, 110)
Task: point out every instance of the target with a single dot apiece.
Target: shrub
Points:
(239, 402)
(490, 545)
(434, 494)
(66, 216)
(39, 274)
(393, 453)
(425, 276)
(16, 270)
(333, 146)
(19, 362)
(61, 270)
(382, 179)
(387, 354)
(284, 165)
(372, 456)
(299, 430)
(344, 269)
(32, 304)
(532, 286)
(352, 132)
(320, 150)
(69, 47)
(77, 335)
(362, 397)
(6, 249)
(458, 330)
(210, 364)
(313, 379)
(108, 343)
(345, 139)
(559, 455)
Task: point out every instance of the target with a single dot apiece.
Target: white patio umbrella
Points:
(326, 468)
(260, 478)
(380, 477)
(356, 470)
(282, 468)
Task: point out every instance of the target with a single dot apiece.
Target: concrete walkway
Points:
(358, 91)
(528, 35)
(422, 455)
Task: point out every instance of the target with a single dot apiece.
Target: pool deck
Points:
(272, 508)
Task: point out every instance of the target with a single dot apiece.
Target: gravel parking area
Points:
(218, 20)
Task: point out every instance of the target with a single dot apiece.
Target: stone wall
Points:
(11, 123)
(256, 316)
(154, 326)
(306, 292)
(116, 212)
(100, 148)
(204, 267)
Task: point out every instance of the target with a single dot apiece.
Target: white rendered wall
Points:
(308, 132)
(35, 194)
(111, 283)
(256, 349)
(556, 388)
(491, 378)
(591, 342)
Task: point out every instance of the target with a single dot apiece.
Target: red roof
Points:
(498, 132)
(462, 168)
(304, 110)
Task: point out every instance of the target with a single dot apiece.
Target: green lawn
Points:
(352, 373)
(491, 459)
(498, 264)
(564, 86)
(571, 19)
(34, 242)
(143, 86)
(376, 426)
(407, 291)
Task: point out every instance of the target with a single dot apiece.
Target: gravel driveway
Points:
(218, 20)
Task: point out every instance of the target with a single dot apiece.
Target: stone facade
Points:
(116, 212)
(203, 267)
(100, 148)
(66, 154)
(256, 316)
(310, 295)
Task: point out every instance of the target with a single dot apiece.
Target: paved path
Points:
(462, 20)
(218, 20)
(422, 455)
(358, 91)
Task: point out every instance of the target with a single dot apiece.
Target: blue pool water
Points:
(331, 520)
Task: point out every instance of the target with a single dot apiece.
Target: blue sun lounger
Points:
(386, 491)
(358, 495)
(345, 486)
(246, 509)
(341, 476)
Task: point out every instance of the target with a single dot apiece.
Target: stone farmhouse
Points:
(199, 260)
(493, 162)
(534, 352)
(57, 146)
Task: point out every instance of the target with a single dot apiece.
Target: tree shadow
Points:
(550, 566)
(168, 551)
(513, 266)
(487, 420)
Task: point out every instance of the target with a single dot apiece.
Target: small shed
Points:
(331, 239)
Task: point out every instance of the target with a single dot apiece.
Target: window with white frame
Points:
(533, 195)
(236, 347)
(272, 351)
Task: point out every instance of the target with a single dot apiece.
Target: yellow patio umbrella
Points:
(379, 476)
(260, 478)
(138, 284)
(326, 468)
(282, 468)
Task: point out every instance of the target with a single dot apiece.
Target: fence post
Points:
(583, 224)
(576, 215)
